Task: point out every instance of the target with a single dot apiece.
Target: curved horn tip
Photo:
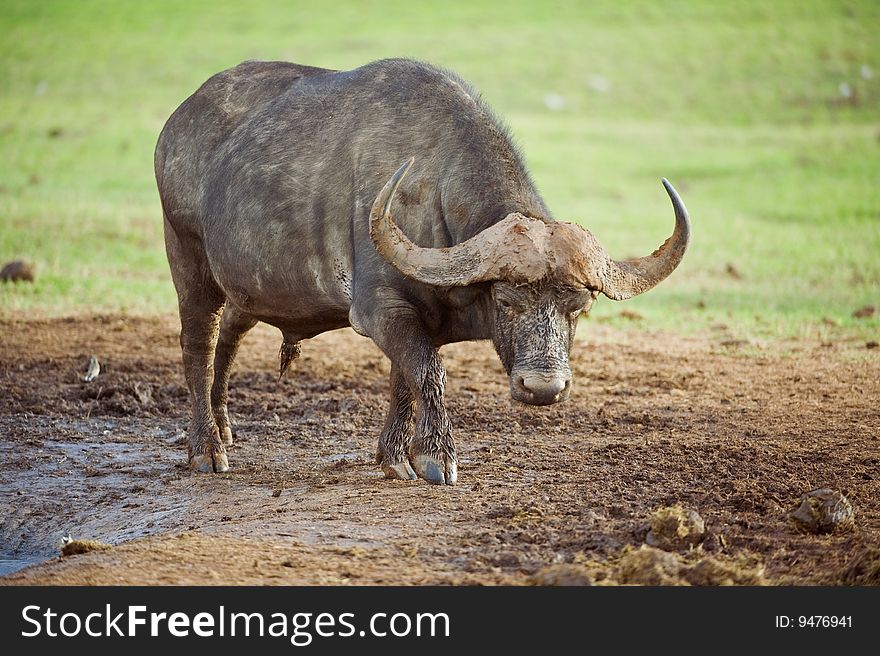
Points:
(632, 277)
(392, 184)
(402, 171)
(677, 202)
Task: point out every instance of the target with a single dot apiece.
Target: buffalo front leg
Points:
(432, 451)
(233, 327)
(394, 443)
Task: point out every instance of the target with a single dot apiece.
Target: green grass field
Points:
(765, 115)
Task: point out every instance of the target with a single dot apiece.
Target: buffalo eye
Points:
(578, 305)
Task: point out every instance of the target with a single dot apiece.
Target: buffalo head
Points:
(543, 275)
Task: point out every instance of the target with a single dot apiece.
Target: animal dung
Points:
(649, 566)
(17, 271)
(76, 547)
(674, 528)
(563, 574)
(93, 370)
(823, 510)
(711, 571)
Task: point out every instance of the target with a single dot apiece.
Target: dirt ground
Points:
(736, 431)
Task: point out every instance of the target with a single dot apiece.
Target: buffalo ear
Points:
(462, 297)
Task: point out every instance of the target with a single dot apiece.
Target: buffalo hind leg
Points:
(200, 301)
(233, 327)
(199, 324)
(394, 443)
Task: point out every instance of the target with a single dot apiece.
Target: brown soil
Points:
(736, 433)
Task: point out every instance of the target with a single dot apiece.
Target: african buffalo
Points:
(271, 179)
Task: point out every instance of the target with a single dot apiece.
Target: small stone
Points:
(864, 312)
(823, 511)
(93, 370)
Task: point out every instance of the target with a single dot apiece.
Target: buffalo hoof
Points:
(226, 436)
(401, 471)
(436, 471)
(207, 462)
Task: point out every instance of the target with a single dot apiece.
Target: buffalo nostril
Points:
(563, 394)
(520, 385)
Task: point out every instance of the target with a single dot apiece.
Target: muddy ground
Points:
(736, 431)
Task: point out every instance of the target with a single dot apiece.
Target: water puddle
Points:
(9, 565)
